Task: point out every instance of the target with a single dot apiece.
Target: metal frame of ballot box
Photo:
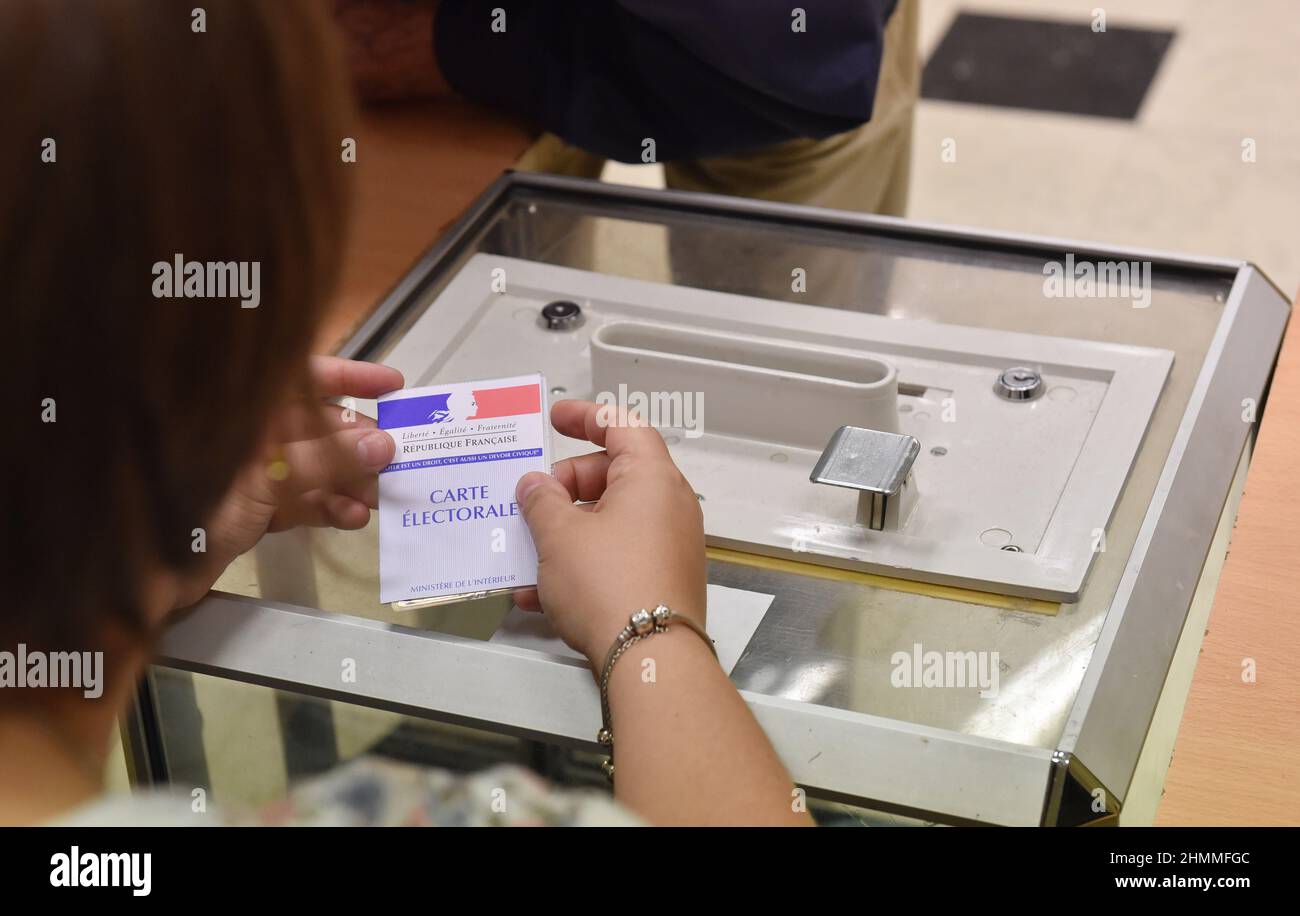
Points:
(965, 773)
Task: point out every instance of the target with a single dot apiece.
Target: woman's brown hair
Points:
(133, 132)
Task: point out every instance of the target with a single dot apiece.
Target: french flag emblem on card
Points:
(448, 521)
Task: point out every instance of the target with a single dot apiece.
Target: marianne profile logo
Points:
(457, 406)
(440, 411)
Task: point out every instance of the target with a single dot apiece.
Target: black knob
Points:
(561, 315)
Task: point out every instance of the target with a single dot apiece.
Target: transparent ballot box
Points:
(968, 488)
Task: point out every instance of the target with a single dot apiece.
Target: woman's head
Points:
(136, 134)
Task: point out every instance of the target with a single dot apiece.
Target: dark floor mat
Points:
(1045, 66)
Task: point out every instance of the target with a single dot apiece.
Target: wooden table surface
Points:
(1237, 755)
(419, 166)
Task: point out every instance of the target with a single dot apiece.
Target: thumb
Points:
(545, 505)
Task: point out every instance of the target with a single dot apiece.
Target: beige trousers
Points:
(863, 169)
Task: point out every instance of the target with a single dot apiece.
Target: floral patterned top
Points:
(373, 792)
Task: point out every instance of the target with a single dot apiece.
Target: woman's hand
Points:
(640, 543)
(317, 467)
(687, 750)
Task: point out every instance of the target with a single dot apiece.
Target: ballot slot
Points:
(754, 388)
(1008, 494)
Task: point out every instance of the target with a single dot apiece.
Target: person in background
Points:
(147, 418)
(809, 103)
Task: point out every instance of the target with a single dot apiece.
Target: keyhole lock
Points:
(1019, 383)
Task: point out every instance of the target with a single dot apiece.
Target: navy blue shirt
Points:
(700, 77)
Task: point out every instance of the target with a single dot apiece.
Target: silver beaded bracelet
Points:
(641, 625)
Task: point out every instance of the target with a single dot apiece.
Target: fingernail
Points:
(527, 484)
(372, 449)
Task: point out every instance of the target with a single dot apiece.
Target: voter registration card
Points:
(449, 526)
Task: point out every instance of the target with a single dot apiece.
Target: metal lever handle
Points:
(875, 463)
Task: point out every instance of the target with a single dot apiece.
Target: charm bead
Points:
(643, 622)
